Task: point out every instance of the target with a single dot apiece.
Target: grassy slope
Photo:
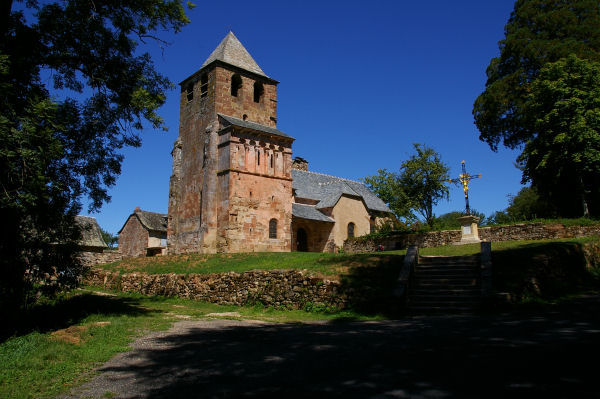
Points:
(321, 263)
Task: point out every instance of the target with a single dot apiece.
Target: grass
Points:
(55, 346)
(327, 264)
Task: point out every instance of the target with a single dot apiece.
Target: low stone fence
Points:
(291, 289)
(529, 231)
(92, 259)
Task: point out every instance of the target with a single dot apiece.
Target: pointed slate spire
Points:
(232, 52)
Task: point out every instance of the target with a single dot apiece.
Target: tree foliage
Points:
(538, 98)
(386, 185)
(74, 92)
(111, 240)
(424, 178)
(449, 221)
(537, 32)
(563, 160)
(526, 205)
(421, 184)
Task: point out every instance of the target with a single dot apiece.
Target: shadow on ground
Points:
(549, 354)
(64, 312)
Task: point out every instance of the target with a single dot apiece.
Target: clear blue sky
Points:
(360, 82)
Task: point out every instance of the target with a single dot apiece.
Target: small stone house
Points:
(326, 210)
(91, 236)
(143, 234)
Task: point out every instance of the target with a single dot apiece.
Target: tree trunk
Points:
(584, 204)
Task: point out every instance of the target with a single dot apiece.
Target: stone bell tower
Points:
(231, 186)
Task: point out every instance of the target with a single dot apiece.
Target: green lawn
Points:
(320, 263)
(54, 346)
(327, 264)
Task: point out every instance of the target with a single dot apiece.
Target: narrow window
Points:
(258, 157)
(273, 228)
(236, 84)
(258, 91)
(204, 85)
(350, 230)
(271, 161)
(189, 92)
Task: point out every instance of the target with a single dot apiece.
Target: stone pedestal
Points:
(470, 233)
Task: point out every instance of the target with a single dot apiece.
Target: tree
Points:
(62, 141)
(537, 32)
(386, 185)
(449, 221)
(563, 159)
(424, 179)
(111, 240)
(512, 109)
(526, 205)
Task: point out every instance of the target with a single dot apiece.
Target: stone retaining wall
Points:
(290, 289)
(530, 231)
(99, 258)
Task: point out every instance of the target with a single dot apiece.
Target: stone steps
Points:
(442, 284)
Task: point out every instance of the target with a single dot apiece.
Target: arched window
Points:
(258, 91)
(204, 85)
(189, 92)
(350, 230)
(273, 228)
(236, 84)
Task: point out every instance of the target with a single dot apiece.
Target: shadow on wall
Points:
(546, 270)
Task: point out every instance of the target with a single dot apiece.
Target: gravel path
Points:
(550, 354)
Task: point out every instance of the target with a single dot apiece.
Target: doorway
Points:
(301, 240)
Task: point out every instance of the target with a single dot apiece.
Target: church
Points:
(235, 186)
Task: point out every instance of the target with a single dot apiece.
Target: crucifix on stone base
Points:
(470, 233)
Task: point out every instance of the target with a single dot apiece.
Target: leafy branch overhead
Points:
(75, 91)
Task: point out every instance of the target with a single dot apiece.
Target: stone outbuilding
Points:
(143, 234)
(327, 210)
(91, 235)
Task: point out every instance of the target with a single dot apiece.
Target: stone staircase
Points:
(445, 284)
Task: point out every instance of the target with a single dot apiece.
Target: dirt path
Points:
(535, 354)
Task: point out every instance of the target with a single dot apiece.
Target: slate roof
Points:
(309, 212)
(153, 221)
(232, 52)
(150, 220)
(90, 232)
(254, 126)
(328, 190)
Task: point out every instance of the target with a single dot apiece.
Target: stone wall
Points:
(91, 259)
(529, 231)
(292, 289)
(133, 238)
